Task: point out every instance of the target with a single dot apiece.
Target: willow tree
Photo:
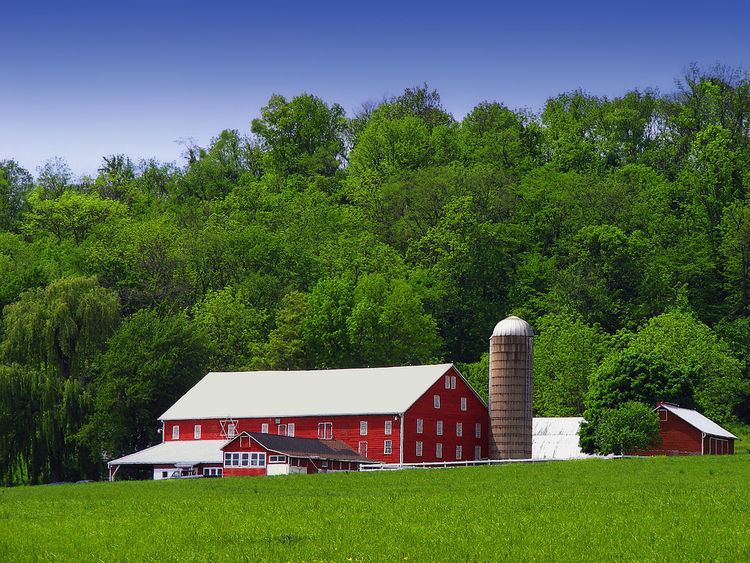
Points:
(50, 334)
(58, 327)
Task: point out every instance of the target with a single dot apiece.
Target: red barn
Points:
(394, 415)
(687, 432)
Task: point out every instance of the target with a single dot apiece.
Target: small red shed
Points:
(688, 432)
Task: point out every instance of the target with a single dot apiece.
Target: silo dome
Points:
(513, 326)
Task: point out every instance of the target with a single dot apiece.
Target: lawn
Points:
(645, 509)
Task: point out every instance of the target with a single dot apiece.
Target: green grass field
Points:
(645, 509)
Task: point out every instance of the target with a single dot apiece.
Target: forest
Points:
(618, 227)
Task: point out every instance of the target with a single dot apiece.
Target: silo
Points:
(511, 367)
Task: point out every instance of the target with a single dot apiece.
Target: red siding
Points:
(449, 412)
(345, 428)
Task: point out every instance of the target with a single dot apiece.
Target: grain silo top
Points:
(513, 326)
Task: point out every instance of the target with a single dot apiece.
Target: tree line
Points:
(619, 227)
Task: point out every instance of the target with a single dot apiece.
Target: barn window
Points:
(164, 474)
(436, 401)
(175, 432)
(663, 415)
(290, 429)
(257, 459)
(459, 429)
(363, 428)
(439, 428)
(264, 428)
(447, 381)
(231, 459)
(419, 449)
(387, 447)
(232, 430)
(245, 459)
(277, 459)
(420, 426)
(325, 430)
(463, 403)
(281, 429)
(362, 449)
(478, 430)
(453, 381)
(477, 452)
(197, 432)
(459, 452)
(388, 428)
(438, 450)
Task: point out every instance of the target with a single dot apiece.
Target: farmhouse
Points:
(402, 414)
(688, 432)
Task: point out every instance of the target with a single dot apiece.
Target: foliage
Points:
(630, 427)
(60, 326)
(617, 225)
(566, 353)
(150, 362)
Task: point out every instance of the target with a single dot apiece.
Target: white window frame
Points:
(663, 416)
(277, 459)
(245, 459)
(459, 429)
(459, 451)
(439, 428)
(281, 429)
(363, 428)
(388, 428)
(325, 431)
(436, 401)
(176, 432)
(290, 430)
(477, 452)
(447, 381)
(362, 448)
(420, 426)
(464, 404)
(387, 447)
(264, 428)
(231, 430)
(418, 447)
(478, 430)
(197, 432)
(453, 381)
(439, 450)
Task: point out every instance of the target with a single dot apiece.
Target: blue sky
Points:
(82, 80)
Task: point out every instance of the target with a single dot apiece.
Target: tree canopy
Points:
(617, 226)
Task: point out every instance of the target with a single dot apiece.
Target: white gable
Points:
(697, 420)
(255, 394)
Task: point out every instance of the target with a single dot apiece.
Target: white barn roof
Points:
(696, 419)
(255, 394)
(556, 438)
(177, 451)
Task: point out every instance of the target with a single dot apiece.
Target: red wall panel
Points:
(345, 428)
(449, 413)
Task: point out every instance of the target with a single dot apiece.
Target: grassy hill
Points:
(646, 509)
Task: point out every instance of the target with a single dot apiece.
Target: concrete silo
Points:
(511, 367)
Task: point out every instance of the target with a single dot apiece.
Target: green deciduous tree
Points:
(150, 361)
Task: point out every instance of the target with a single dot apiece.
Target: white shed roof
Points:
(556, 438)
(252, 394)
(696, 419)
(176, 451)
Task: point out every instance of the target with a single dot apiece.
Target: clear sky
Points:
(82, 80)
